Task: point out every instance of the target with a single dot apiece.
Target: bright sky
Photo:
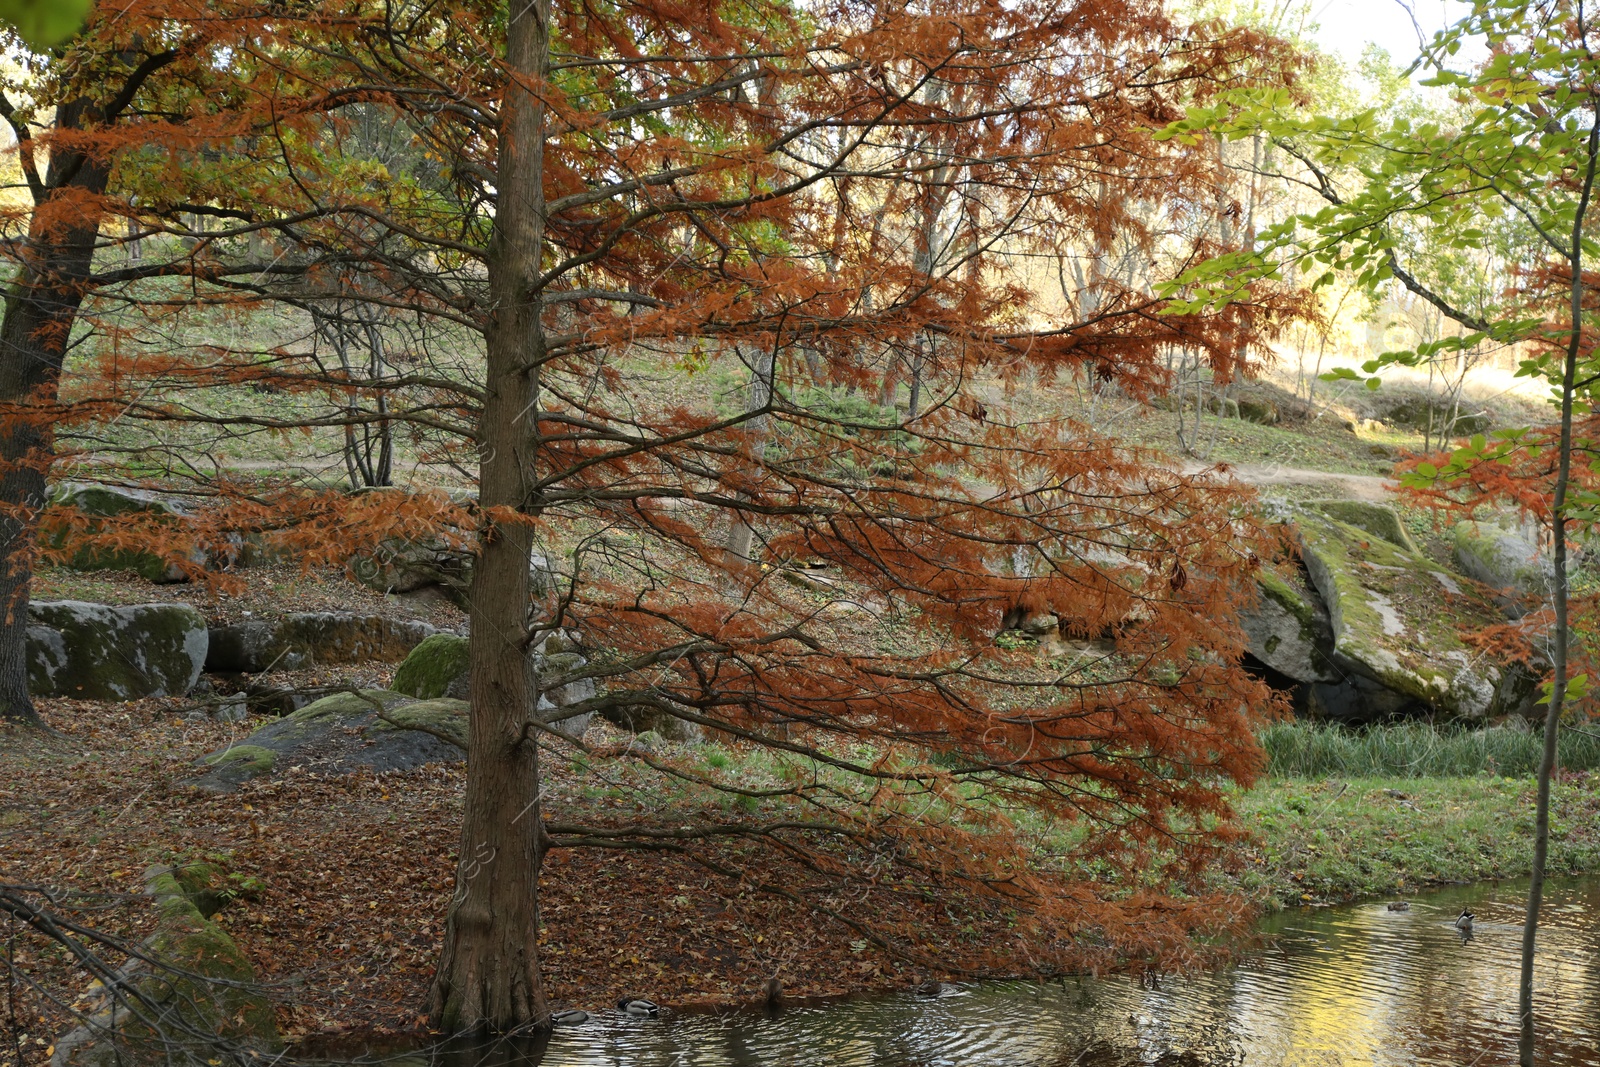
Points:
(1347, 25)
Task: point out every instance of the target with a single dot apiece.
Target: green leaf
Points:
(43, 23)
(1577, 688)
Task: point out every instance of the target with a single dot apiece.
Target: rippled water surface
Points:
(1357, 985)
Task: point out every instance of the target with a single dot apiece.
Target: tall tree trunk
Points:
(488, 976)
(1558, 651)
(41, 307)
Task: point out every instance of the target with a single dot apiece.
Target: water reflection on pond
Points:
(1340, 987)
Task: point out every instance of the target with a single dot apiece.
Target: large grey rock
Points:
(1396, 619)
(108, 500)
(192, 999)
(438, 668)
(1289, 630)
(408, 566)
(412, 566)
(312, 638)
(104, 502)
(1508, 561)
(99, 652)
(342, 733)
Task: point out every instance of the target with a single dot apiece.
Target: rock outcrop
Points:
(312, 639)
(1396, 620)
(1363, 628)
(377, 729)
(99, 652)
(409, 566)
(1379, 520)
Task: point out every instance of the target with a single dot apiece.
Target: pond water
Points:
(1355, 985)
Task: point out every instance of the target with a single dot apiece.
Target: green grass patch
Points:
(1417, 750)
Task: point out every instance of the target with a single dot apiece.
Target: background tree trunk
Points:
(41, 308)
(741, 536)
(488, 976)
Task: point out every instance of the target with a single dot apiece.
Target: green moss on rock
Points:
(444, 718)
(198, 996)
(1287, 596)
(1505, 560)
(99, 652)
(345, 705)
(205, 884)
(1379, 520)
(247, 757)
(1398, 619)
(105, 502)
(1288, 628)
(344, 731)
(432, 667)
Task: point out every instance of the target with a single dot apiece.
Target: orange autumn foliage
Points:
(847, 200)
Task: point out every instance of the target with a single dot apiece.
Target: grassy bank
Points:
(1321, 840)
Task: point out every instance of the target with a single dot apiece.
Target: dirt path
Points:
(1369, 487)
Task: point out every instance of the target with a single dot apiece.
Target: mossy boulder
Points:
(100, 652)
(435, 668)
(1379, 520)
(206, 883)
(375, 729)
(444, 719)
(1397, 619)
(1288, 626)
(1508, 561)
(304, 639)
(195, 997)
(107, 502)
(438, 668)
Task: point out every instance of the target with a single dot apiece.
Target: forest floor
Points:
(355, 874)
